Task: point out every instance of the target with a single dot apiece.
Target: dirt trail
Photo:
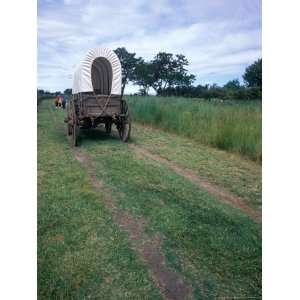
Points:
(192, 176)
(170, 284)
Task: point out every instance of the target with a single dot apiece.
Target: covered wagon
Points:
(96, 96)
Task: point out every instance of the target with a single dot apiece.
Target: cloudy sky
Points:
(218, 37)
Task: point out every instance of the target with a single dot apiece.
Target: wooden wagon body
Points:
(96, 96)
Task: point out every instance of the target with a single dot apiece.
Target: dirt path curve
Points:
(192, 176)
(170, 284)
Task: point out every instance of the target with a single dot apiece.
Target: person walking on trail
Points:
(56, 101)
(63, 101)
(59, 101)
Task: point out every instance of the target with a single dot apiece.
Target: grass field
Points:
(239, 175)
(83, 253)
(228, 125)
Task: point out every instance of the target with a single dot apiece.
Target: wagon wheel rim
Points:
(69, 117)
(125, 126)
(74, 127)
(69, 128)
(74, 135)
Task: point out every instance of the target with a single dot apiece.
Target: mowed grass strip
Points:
(82, 254)
(213, 244)
(228, 125)
(231, 171)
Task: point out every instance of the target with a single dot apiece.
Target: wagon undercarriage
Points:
(83, 114)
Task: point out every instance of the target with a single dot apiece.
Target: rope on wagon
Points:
(103, 109)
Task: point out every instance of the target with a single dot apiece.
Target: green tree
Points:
(232, 84)
(253, 74)
(128, 62)
(144, 76)
(169, 71)
(68, 91)
(40, 92)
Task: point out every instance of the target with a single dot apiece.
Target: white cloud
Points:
(216, 40)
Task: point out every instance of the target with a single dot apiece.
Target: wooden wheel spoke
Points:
(125, 123)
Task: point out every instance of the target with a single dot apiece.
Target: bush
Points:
(213, 92)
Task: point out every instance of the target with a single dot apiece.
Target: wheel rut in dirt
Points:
(171, 285)
(193, 177)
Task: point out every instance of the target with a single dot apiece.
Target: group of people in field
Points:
(60, 102)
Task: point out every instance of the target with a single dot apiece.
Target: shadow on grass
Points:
(97, 135)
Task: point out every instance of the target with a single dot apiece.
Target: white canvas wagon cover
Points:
(99, 72)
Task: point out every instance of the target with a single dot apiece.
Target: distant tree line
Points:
(43, 93)
(167, 75)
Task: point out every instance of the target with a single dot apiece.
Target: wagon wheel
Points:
(108, 127)
(74, 125)
(68, 119)
(124, 127)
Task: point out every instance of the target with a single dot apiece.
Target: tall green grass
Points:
(229, 125)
